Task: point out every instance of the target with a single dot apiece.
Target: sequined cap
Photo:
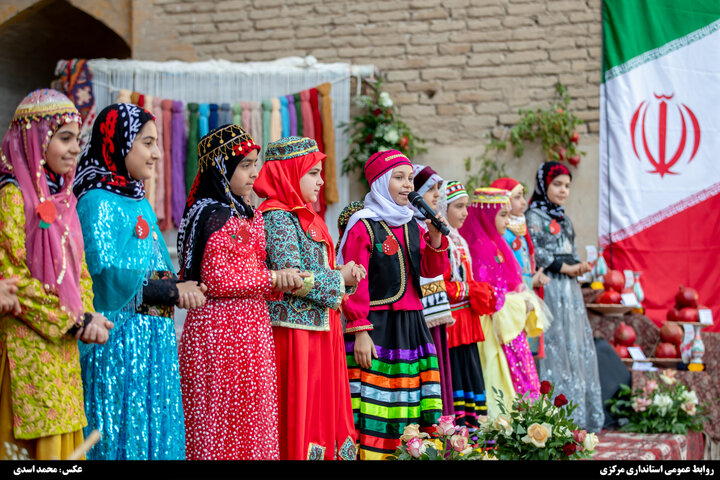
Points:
(491, 196)
(226, 141)
(290, 147)
(46, 104)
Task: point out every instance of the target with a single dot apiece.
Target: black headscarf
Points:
(545, 175)
(102, 164)
(210, 202)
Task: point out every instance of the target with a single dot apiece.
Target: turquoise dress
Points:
(132, 383)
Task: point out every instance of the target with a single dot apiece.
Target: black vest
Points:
(387, 278)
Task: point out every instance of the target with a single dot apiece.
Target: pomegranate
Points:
(688, 314)
(575, 137)
(574, 160)
(686, 297)
(672, 333)
(666, 350)
(610, 296)
(622, 351)
(673, 315)
(614, 280)
(624, 335)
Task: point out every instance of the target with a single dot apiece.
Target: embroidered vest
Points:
(387, 279)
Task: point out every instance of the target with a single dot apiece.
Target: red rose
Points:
(560, 400)
(377, 112)
(569, 448)
(545, 387)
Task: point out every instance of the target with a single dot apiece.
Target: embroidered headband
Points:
(290, 147)
(455, 190)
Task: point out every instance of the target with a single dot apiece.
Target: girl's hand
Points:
(435, 235)
(570, 270)
(584, 267)
(364, 349)
(352, 273)
(97, 331)
(540, 279)
(8, 296)
(289, 279)
(192, 294)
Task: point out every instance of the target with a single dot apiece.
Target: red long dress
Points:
(227, 355)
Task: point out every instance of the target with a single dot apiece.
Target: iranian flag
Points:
(660, 147)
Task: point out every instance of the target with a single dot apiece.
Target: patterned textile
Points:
(191, 158)
(135, 375)
(522, 369)
(403, 385)
(289, 247)
(570, 361)
(545, 175)
(648, 446)
(43, 361)
(102, 164)
(227, 355)
(467, 385)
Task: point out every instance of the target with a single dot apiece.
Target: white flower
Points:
(689, 396)
(384, 100)
(590, 441)
(668, 377)
(503, 424)
(563, 432)
(663, 402)
(689, 408)
(392, 136)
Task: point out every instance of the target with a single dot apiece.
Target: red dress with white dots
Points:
(227, 354)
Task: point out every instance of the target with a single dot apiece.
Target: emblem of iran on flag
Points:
(660, 147)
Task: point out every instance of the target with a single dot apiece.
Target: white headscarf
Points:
(379, 205)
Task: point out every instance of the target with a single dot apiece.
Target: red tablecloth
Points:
(616, 445)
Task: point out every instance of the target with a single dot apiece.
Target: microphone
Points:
(427, 212)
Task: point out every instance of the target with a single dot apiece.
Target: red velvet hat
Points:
(381, 162)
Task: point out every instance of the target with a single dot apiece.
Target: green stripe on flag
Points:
(633, 28)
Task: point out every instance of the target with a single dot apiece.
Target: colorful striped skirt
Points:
(468, 385)
(402, 387)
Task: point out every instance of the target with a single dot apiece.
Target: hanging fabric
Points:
(225, 115)
(275, 120)
(178, 150)
(320, 204)
(124, 96)
(307, 116)
(237, 114)
(256, 121)
(213, 117)
(134, 98)
(299, 115)
(167, 164)
(193, 137)
(204, 111)
(328, 128)
(77, 84)
(155, 181)
(285, 117)
(246, 118)
(266, 123)
(292, 116)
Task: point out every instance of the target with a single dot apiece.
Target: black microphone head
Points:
(414, 197)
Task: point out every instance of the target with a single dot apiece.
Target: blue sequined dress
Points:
(132, 383)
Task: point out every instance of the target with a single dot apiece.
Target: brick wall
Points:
(457, 69)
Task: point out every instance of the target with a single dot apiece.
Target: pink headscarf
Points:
(54, 244)
(492, 260)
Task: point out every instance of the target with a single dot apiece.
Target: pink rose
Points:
(579, 435)
(650, 386)
(445, 425)
(460, 444)
(640, 404)
(415, 447)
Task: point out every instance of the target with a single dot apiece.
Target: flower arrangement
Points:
(377, 127)
(447, 442)
(537, 429)
(663, 405)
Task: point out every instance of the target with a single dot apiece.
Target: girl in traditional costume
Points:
(434, 297)
(518, 237)
(131, 384)
(391, 356)
(507, 363)
(316, 419)
(41, 398)
(570, 361)
(468, 300)
(227, 354)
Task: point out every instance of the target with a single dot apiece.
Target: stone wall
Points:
(457, 69)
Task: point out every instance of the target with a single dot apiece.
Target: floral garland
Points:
(377, 127)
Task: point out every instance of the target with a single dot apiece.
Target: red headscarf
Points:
(286, 161)
(509, 184)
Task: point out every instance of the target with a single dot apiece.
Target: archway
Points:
(31, 45)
